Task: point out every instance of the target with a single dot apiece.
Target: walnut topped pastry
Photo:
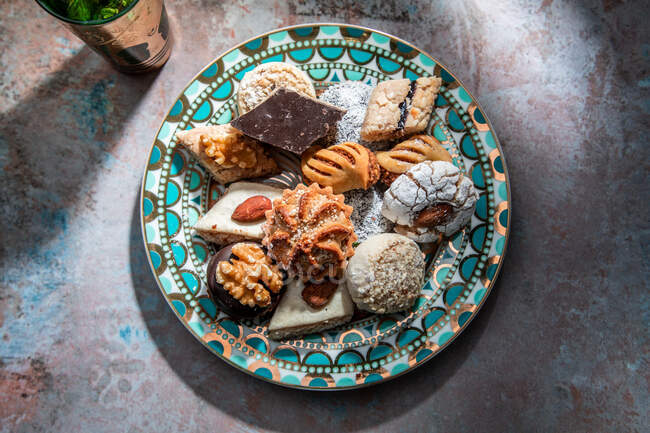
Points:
(309, 232)
(343, 166)
(399, 107)
(432, 198)
(406, 154)
(243, 280)
(227, 153)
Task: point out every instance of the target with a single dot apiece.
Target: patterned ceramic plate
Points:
(176, 190)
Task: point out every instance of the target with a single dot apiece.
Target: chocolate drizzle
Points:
(404, 106)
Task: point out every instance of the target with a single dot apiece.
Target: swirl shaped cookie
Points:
(432, 198)
(309, 232)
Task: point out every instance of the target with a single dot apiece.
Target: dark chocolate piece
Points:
(289, 120)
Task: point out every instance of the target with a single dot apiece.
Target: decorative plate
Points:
(176, 190)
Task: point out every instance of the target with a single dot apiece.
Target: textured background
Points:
(87, 342)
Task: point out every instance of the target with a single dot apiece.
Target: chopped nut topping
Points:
(231, 150)
(243, 277)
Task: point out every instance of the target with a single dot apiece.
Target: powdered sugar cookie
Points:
(432, 198)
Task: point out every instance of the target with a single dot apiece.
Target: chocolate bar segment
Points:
(289, 120)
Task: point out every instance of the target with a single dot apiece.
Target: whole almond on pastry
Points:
(252, 209)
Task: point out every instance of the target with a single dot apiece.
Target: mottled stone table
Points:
(87, 343)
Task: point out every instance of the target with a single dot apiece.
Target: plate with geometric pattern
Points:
(176, 190)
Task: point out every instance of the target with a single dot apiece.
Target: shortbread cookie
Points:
(258, 84)
(432, 198)
(399, 107)
(385, 274)
(344, 167)
(227, 153)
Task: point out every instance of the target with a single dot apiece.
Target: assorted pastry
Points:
(374, 186)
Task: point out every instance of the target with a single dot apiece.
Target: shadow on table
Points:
(273, 407)
(52, 142)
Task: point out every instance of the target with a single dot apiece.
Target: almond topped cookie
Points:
(432, 198)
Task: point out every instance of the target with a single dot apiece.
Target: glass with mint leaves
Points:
(132, 34)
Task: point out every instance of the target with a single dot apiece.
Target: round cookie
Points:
(258, 84)
(432, 198)
(385, 274)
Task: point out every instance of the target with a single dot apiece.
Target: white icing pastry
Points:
(217, 225)
(294, 316)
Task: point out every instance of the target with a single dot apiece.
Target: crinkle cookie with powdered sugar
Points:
(432, 198)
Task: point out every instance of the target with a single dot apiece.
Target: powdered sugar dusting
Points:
(353, 97)
(366, 215)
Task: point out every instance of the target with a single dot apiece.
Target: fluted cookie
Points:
(399, 107)
(432, 198)
(309, 232)
(258, 84)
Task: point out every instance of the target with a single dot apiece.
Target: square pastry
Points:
(294, 316)
(218, 226)
(399, 107)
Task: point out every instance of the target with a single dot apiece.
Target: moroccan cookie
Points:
(239, 213)
(406, 154)
(385, 274)
(295, 316)
(344, 167)
(309, 232)
(243, 280)
(227, 153)
(432, 198)
(399, 107)
(258, 84)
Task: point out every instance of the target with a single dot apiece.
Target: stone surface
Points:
(88, 344)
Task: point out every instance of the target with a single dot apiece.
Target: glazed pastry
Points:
(406, 154)
(432, 198)
(289, 120)
(386, 273)
(399, 107)
(309, 232)
(258, 84)
(343, 166)
(295, 317)
(248, 199)
(227, 153)
(243, 281)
